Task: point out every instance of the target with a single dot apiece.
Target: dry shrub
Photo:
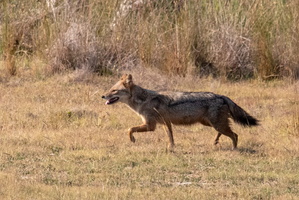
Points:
(76, 45)
(175, 40)
(147, 31)
(286, 43)
(275, 39)
(232, 39)
(227, 54)
(28, 30)
(221, 42)
(74, 49)
(18, 32)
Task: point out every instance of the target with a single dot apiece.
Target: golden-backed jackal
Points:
(178, 108)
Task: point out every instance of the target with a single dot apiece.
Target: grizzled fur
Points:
(182, 108)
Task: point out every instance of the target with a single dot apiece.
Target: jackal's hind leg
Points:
(221, 124)
(229, 133)
(233, 136)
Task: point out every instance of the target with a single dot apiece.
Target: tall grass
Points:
(232, 39)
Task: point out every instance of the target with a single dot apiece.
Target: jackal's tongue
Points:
(110, 101)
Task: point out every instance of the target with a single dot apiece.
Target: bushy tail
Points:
(239, 115)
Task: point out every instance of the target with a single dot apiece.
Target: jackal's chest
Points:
(138, 111)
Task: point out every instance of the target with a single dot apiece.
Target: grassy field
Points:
(58, 140)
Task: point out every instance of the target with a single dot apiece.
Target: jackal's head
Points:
(121, 91)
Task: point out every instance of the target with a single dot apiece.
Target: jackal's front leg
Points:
(170, 135)
(141, 128)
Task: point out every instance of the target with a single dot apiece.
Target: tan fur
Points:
(183, 108)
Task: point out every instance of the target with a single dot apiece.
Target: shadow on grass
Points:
(253, 149)
(249, 150)
(244, 150)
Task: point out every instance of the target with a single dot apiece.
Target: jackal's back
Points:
(191, 107)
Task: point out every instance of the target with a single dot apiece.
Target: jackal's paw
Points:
(132, 138)
(216, 142)
(170, 148)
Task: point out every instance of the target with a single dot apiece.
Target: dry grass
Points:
(59, 141)
(232, 39)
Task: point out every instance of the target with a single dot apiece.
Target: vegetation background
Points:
(228, 38)
(59, 141)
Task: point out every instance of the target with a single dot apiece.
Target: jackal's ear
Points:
(123, 77)
(127, 80)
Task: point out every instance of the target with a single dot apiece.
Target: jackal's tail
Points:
(239, 115)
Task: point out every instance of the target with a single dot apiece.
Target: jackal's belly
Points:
(186, 118)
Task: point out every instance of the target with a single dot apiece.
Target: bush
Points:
(232, 39)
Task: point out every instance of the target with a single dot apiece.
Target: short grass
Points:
(58, 140)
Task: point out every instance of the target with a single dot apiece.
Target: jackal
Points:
(182, 108)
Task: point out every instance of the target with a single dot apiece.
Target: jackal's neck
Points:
(138, 96)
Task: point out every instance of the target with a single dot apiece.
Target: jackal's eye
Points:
(114, 91)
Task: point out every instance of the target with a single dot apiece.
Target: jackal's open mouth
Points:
(112, 100)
